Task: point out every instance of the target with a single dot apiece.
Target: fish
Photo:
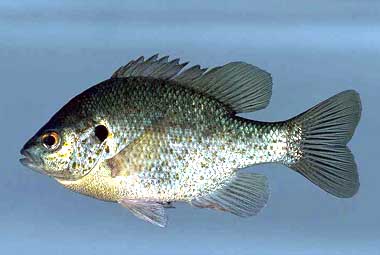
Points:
(156, 133)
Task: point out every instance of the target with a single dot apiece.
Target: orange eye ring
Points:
(51, 140)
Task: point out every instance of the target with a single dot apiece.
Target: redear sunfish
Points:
(155, 133)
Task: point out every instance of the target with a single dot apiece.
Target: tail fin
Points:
(326, 129)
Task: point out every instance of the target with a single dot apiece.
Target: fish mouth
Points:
(36, 164)
(31, 162)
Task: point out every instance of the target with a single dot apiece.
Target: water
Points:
(50, 52)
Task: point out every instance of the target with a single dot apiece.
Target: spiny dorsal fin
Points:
(152, 67)
(240, 86)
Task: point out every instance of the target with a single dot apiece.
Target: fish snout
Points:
(31, 159)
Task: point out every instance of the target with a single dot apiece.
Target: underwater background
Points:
(52, 50)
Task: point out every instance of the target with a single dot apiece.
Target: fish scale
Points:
(192, 163)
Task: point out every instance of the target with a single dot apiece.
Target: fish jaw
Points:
(31, 161)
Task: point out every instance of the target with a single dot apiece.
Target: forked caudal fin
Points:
(324, 157)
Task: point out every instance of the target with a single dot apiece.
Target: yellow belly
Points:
(99, 184)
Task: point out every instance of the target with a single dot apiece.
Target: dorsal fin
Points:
(240, 86)
(152, 67)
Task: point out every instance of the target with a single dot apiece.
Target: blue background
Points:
(51, 51)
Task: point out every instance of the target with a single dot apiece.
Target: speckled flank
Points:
(171, 164)
(203, 167)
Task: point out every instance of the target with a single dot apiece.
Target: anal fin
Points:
(244, 196)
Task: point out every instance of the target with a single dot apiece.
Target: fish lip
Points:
(30, 161)
(31, 164)
(36, 164)
(25, 153)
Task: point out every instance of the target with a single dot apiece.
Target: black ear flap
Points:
(101, 132)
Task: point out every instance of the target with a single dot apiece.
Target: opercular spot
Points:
(101, 132)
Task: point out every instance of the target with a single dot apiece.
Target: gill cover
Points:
(79, 151)
(88, 149)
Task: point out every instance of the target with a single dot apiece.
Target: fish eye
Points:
(101, 132)
(51, 140)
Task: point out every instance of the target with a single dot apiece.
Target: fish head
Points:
(67, 151)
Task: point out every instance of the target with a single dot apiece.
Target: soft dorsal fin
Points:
(240, 86)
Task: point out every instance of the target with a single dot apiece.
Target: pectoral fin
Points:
(149, 211)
